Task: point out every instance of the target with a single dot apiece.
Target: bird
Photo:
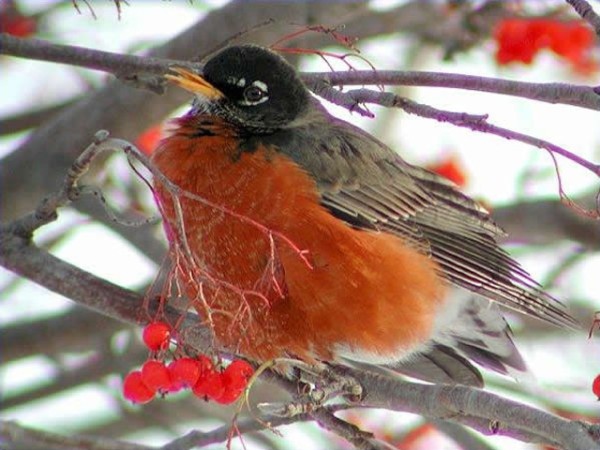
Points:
(308, 238)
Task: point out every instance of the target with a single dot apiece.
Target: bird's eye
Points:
(253, 94)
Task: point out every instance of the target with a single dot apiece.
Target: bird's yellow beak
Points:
(194, 83)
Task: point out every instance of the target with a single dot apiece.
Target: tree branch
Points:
(68, 332)
(556, 93)
(473, 122)
(498, 415)
(120, 65)
(130, 67)
(543, 221)
(30, 119)
(15, 436)
(585, 10)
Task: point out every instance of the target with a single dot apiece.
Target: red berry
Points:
(156, 335)
(155, 375)
(205, 364)
(596, 387)
(235, 379)
(135, 390)
(229, 396)
(175, 386)
(237, 374)
(215, 387)
(210, 386)
(20, 26)
(185, 372)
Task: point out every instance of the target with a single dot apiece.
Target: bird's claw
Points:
(324, 383)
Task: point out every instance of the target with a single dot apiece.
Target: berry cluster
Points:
(206, 380)
(521, 39)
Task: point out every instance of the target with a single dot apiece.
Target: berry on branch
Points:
(156, 376)
(185, 372)
(135, 390)
(156, 335)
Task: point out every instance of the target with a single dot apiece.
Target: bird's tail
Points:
(472, 333)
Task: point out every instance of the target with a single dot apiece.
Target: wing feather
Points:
(366, 184)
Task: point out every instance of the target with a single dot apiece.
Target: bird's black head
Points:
(250, 86)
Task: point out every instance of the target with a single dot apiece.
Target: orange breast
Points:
(348, 291)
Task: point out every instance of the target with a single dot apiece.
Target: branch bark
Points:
(484, 411)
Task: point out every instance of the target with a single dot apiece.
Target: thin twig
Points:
(473, 122)
(202, 439)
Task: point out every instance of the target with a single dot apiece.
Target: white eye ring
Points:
(255, 94)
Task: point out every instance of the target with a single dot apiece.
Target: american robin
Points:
(312, 239)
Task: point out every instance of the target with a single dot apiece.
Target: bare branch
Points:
(543, 221)
(68, 332)
(202, 439)
(15, 436)
(30, 119)
(486, 412)
(587, 13)
(131, 67)
(91, 371)
(557, 93)
(120, 65)
(358, 438)
(462, 436)
(464, 120)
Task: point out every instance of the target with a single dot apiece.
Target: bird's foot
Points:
(322, 383)
(335, 382)
(318, 385)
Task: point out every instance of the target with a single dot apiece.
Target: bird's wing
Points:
(366, 184)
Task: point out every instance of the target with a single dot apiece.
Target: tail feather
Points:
(441, 364)
(473, 332)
